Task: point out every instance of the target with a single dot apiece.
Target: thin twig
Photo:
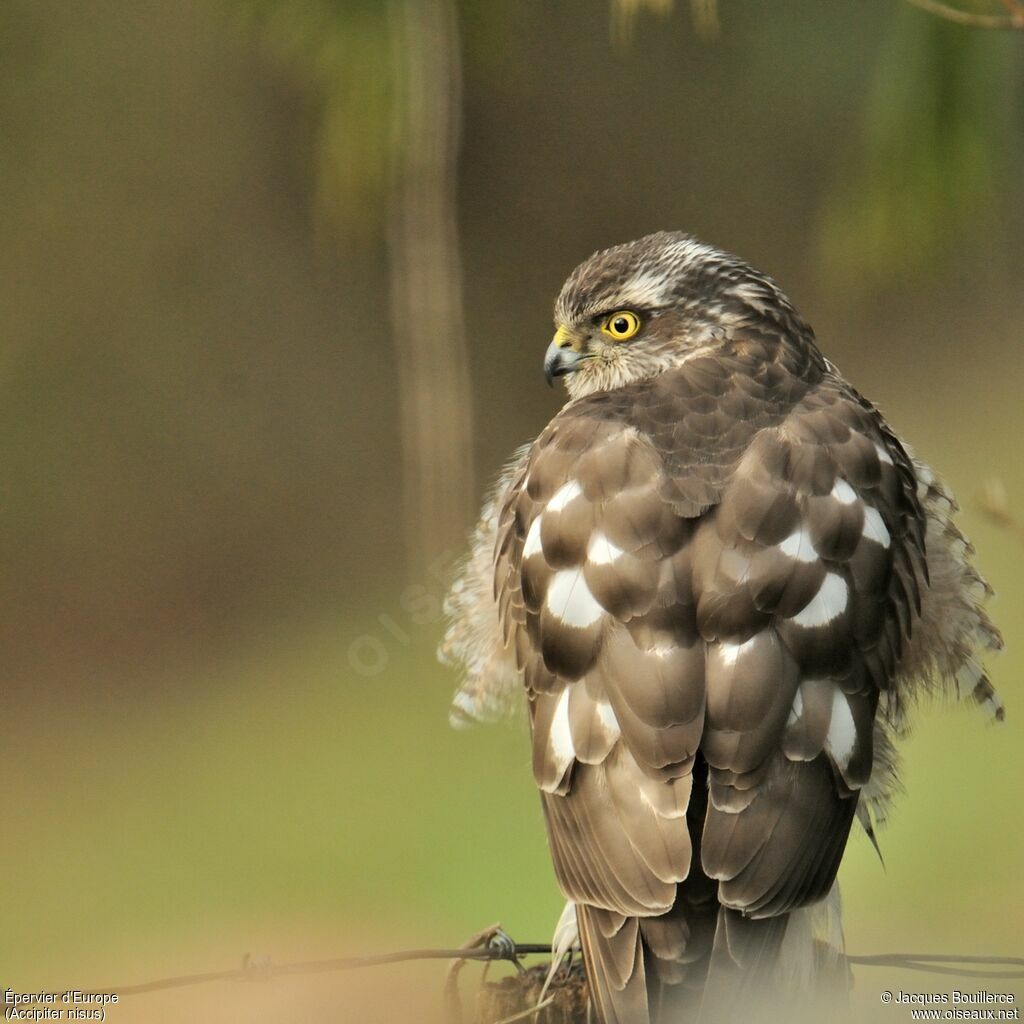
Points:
(526, 1014)
(936, 963)
(942, 10)
(1016, 9)
(933, 958)
(484, 939)
(250, 971)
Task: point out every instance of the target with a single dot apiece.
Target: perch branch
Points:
(499, 947)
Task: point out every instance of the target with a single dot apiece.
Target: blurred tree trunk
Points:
(426, 279)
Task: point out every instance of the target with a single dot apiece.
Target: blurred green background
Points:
(242, 448)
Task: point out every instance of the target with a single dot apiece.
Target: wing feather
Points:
(715, 572)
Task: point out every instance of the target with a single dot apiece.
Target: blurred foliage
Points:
(385, 79)
(625, 12)
(703, 12)
(933, 155)
(928, 160)
(300, 793)
(340, 52)
(297, 788)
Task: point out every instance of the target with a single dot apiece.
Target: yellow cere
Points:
(563, 337)
(621, 325)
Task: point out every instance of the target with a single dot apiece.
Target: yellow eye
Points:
(622, 325)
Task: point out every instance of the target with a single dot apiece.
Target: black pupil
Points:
(620, 325)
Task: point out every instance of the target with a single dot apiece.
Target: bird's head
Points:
(633, 311)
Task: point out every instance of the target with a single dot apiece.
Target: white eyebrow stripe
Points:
(645, 289)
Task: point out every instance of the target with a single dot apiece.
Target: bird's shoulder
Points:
(724, 460)
(697, 422)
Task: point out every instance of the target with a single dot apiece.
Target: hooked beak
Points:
(563, 355)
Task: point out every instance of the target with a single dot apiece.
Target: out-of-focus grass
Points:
(292, 791)
(301, 806)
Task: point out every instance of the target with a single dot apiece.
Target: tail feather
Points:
(614, 957)
(677, 947)
(768, 969)
(711, 964)
(743, 976)
(648, 970)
